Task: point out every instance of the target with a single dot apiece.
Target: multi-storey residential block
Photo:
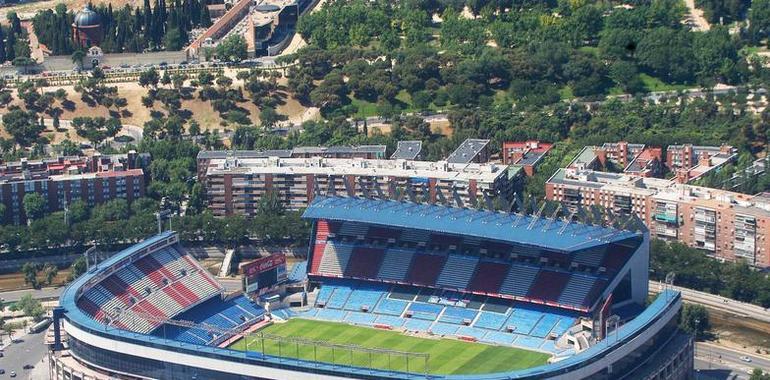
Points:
(526, 154)
(235, 185)
(726, 225)
(363, 151)
(64, 180)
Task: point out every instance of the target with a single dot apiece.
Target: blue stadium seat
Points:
(425, 310)
(439, 328)
(391, 306)
(360, 318)
(457, 315)
(390, 320)
(490, 320)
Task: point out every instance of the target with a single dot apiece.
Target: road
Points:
(29, 350)
(45, 293)
(717, 361)
(738, 308)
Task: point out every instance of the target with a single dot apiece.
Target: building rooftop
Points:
(609, 181)
(359, 166)
(467, 151)
(555, 235)
(214, 154)
(407, 150)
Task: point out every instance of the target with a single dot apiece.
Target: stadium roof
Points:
(512, 228)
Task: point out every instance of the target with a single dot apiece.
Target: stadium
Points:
(390, 290)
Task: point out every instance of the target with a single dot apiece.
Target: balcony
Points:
(667, 218)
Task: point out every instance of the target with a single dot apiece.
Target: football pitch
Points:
(442, 356)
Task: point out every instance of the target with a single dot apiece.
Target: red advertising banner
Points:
(263, 264)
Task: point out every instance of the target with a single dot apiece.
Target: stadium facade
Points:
(574, 291)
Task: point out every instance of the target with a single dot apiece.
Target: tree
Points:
(30, 307)
(759, 374)
(96, 129)
(50, 271)
(232, 49)
(77, 268)
(29, 270)
(77, 57)
(149, 78)
(34, 206)
(695, 320)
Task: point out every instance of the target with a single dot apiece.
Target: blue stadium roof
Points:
(506, 227)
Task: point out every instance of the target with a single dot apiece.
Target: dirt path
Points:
(695, 17)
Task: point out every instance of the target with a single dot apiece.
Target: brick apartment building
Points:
(63, 180)
(527, 154)
(726, 225)
(235, 185)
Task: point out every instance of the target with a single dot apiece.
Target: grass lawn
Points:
(653, 84)
(446, 356)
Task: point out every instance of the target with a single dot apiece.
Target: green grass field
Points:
(446, 356)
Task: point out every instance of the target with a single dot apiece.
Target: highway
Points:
(738, 308)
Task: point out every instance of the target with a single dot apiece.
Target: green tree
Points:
(34, 206)
(695, 320)
(232, 49)
(23, 126)
(50, 271)
(77, 268)
(30, 307)
(30, 270)
(759, 374)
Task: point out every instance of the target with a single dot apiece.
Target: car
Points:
(746, 359)
(28, 366)
(13, 374)
(164, 63)
(2, 371)
(1, 354)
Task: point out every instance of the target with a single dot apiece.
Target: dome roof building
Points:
(87, 17)
(87, 27)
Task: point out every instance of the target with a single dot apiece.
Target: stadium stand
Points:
(488, 277)
(395, 265)
(425, 269)
(162, 284)
(335, 259)
(364, 262)
(457, 271)
(548, 285)
(519, 280)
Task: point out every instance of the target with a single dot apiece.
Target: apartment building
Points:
(527, 154)
(686, 162)
(205, 157)
(63, 180)
(726, 225)
(235, 185)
